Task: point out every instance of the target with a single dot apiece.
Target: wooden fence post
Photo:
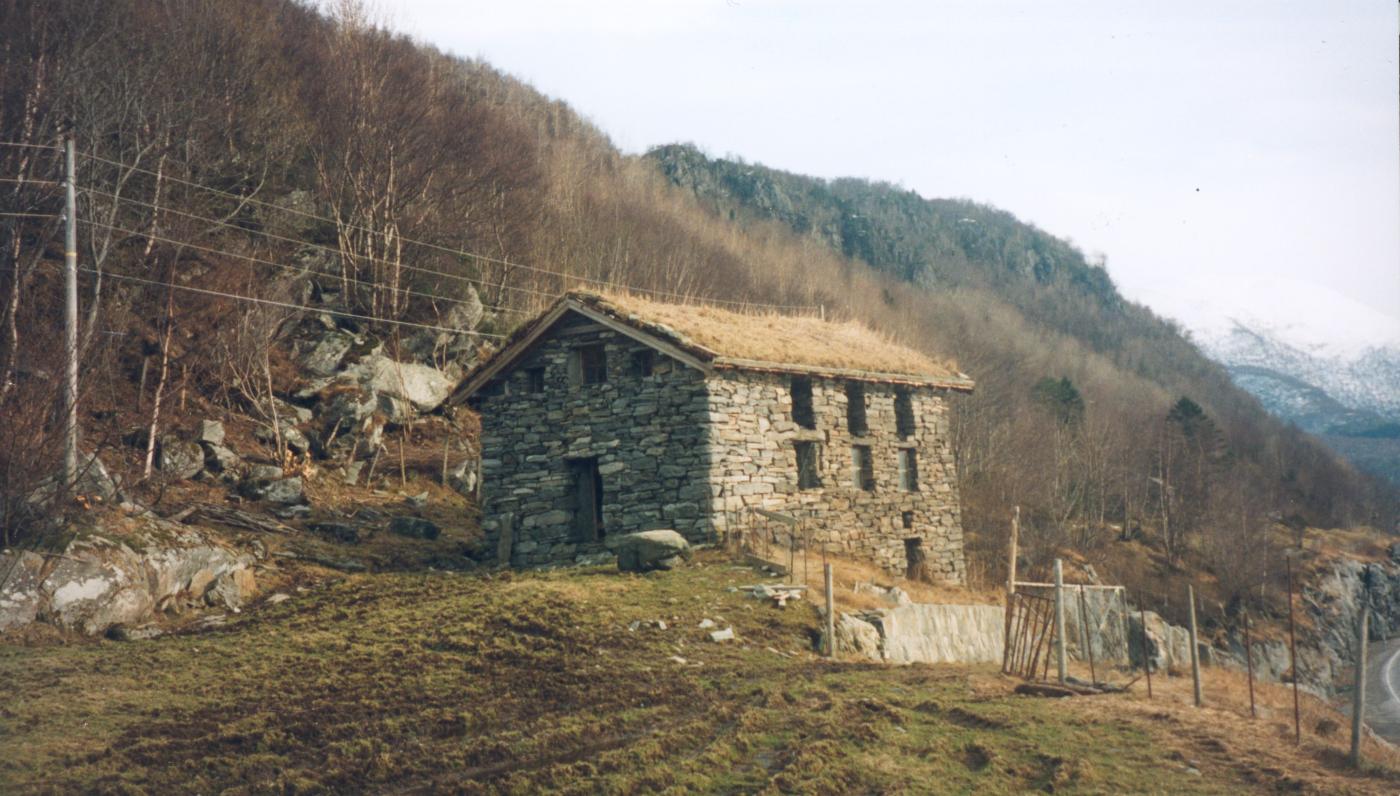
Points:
(1293, 654)
(830, 613)
(1146, 660)
(1358, 702)
(1060, 621)
(1249, 666)
(1195, 646)
(1088, 636)
(1010, 586)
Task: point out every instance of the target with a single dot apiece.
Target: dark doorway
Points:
(588, 500)
(914, 558)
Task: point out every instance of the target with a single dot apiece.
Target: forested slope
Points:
(344, 156)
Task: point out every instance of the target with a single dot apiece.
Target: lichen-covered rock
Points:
(292, 437)
(285, 491)
(323, 356)
(117, 572)
(857, 636)
(218, 459)
(232, 589)
(20, 599)
(649, 550)
(414, 528)
(180, 458)
(423, 388)
(210, 431)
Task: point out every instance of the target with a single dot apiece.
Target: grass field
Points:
(519, 683)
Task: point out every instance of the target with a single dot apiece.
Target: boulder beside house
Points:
(608, 415)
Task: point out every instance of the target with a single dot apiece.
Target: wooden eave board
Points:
(960, 384)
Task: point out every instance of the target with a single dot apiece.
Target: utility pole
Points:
(70, 319)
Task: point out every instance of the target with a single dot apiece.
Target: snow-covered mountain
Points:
(1312, 356)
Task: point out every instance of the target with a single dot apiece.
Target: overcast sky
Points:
(1195, 144)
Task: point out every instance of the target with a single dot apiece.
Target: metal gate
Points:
(1030, 626)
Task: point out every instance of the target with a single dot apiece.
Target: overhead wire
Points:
(445, 249)
(331, 249)
(293, 268)
(285, 304)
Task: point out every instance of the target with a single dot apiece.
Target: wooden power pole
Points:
(70, 319)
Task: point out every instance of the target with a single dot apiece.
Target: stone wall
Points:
(755, 466)
(646, 432)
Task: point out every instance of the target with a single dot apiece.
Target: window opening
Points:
(643, 362)
(808, 473)
(802, 413)
(908, 520)
(914, 558)
(534, 379)
(908, 470)
(903, 413)
(588, 500)
(862, 468)
(855, 409)
(593, 364)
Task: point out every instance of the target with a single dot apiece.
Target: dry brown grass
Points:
(1223, 728)
(847, 573)
(777, 338)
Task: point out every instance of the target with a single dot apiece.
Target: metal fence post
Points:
(1060, 620)
(830, 613)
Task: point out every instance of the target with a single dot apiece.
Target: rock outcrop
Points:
(122, 570)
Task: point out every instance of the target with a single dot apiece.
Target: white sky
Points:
(1185, 140)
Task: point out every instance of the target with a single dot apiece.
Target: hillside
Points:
(591, 681)
(252, 174)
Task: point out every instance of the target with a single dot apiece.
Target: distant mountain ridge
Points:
(1349, 399)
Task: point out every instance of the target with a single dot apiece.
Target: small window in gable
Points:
(592, 364)
(802, 413)
(643, 362)
(534, 380)
(808, 469)
(855, 409)
(903, 413)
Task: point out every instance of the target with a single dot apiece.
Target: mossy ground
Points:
(527, 682)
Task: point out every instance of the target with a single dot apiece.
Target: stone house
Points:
(607, 415)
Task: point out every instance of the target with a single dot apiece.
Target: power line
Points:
(24, 145)
(260, 261)
(445, 249)
(22, 181)
(321, 247)
(31, 215)
(287, 305)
